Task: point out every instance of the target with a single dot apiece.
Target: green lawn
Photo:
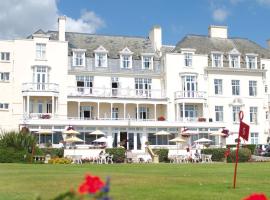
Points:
(137, 181)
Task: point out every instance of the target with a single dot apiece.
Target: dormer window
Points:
(251, 61)
(126, 61)
(217, 60)
(101, 57)
(234, 61)
(78, 58)
(126, 58)
(147, 62)
(101, 60)
(188, 59)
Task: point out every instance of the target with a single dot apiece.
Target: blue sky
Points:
(245, 18)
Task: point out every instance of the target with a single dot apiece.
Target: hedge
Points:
(119, 154)
(252, 147)
(244, 155)
(162, 153)
(54, 152)
(217, 153)
(11, 155)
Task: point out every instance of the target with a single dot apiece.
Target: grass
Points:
(137, 181)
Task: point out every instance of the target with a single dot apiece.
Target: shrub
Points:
(251, 147)
(244, 155)
(217, 154)
(163, 154)
(19, 141)
(54, 152)
(11, 155)
(60, 161)
(119, 154)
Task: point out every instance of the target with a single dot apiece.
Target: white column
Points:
(98, 110)
(53, 110)
(111, 109)
(124, 111)
(137, 111)
(184, 112)
(118, 139)
(28, 104)
(79, 106)
(177, 111)
(135, 141)
(155, 112)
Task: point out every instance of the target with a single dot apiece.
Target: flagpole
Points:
(241, 116)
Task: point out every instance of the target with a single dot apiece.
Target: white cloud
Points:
(220, 14)
(20, 18)
(89, 22)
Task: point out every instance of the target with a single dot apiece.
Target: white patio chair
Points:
(110, 159)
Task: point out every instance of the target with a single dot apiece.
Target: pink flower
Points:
(92, 184)
(256, 196)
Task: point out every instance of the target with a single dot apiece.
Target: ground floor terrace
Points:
(130, 137)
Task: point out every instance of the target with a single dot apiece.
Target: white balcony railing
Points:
(40, 87)
(189, 95)
(116, 92)
(40, 115)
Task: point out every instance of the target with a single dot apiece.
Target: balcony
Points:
(40, 88)
(116, 92)
(190, 95)
(40, 115)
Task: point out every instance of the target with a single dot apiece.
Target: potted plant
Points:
(202, 119)
(161, 118)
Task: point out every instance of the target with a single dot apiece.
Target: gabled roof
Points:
(113, 44)
(206, 45)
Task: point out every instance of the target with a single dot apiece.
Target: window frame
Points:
(188, 59)
(252, 88)
(236, 63)
(235, 112)
(104, 61)
(253, 114)
(235, 88)
(250, 63)
(218, 86)
(215, 61)
(219, 114)
(150, 61)
(4, 76)
(41, 50)
(75, 59)
(4, 56)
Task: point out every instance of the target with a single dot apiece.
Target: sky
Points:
(177, 18)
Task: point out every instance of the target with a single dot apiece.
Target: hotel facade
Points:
(132, 87)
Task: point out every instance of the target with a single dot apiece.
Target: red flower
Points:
(256, 197)
(92, 184)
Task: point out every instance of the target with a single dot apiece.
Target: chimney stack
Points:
(62, 28)
(155, 36)
(218, 32)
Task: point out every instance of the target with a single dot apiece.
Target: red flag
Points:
(244, 130)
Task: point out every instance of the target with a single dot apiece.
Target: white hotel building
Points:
(132, 87)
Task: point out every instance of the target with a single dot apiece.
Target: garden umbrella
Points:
(177, 140)
(162, 133)
(71, 132)
(203, 140)
(97, 132)
(102, 139)
(72, 140)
